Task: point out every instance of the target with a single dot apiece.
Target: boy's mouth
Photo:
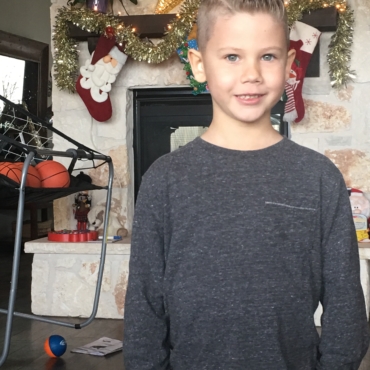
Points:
(249, 96)
(249, 99)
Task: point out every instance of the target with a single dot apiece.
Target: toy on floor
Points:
(55, 346)
(53, 175)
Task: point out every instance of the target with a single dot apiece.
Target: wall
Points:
(26, 18)
(336, 122)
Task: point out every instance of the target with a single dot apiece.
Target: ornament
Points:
(109, 31)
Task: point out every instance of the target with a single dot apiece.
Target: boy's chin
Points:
(253, 120)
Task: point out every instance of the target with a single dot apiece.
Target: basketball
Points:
(53, 175)
(5, 164)
(12, 171)
(55, 346)
(33, 177)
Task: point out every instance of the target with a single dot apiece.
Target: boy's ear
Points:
(197, 66)
(289, 62)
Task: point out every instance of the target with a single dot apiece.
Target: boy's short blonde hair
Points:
(209, 10)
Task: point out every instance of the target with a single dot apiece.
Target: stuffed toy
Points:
(96, 222)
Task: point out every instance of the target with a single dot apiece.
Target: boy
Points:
(239, 234)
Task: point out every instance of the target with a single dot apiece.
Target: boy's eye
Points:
(232, 58)
(268, 57)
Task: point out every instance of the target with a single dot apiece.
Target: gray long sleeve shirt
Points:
(232, 252)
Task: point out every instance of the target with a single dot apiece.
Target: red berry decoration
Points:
(109, 31)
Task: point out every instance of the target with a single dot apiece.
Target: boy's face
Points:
(246, 64)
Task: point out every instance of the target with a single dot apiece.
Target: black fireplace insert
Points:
(166, 118)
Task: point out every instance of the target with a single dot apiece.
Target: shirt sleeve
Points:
(145, 344)
(344, 336)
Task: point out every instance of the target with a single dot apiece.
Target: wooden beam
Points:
(155, 25)
(19, 47)
(325, 19)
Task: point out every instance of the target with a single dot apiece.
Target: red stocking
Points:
(303, 38)
(97, 77)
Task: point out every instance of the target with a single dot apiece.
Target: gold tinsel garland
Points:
(165, 6)
(66, 55)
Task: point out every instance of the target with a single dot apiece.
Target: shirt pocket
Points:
(292, 224)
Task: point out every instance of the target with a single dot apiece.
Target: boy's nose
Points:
(251, 72)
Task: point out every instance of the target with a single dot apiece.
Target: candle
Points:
(97, 5)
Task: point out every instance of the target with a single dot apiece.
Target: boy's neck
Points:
(242, 136)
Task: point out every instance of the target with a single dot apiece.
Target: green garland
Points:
(66, 55)
(182, 51)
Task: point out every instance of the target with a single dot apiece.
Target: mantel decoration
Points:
(66, 58)
(165, 6)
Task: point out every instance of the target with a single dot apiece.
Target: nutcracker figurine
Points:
(81, 208)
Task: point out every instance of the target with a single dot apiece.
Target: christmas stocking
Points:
(303, 38)
(98, 75)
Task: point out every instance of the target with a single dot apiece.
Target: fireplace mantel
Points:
(155, 25)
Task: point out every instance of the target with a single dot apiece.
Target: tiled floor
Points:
(28, 336)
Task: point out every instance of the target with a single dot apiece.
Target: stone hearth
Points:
(64, 278)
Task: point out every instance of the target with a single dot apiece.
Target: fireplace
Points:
(167, 118)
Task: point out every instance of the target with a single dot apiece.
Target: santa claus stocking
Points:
(98, 75)
(303, 38)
